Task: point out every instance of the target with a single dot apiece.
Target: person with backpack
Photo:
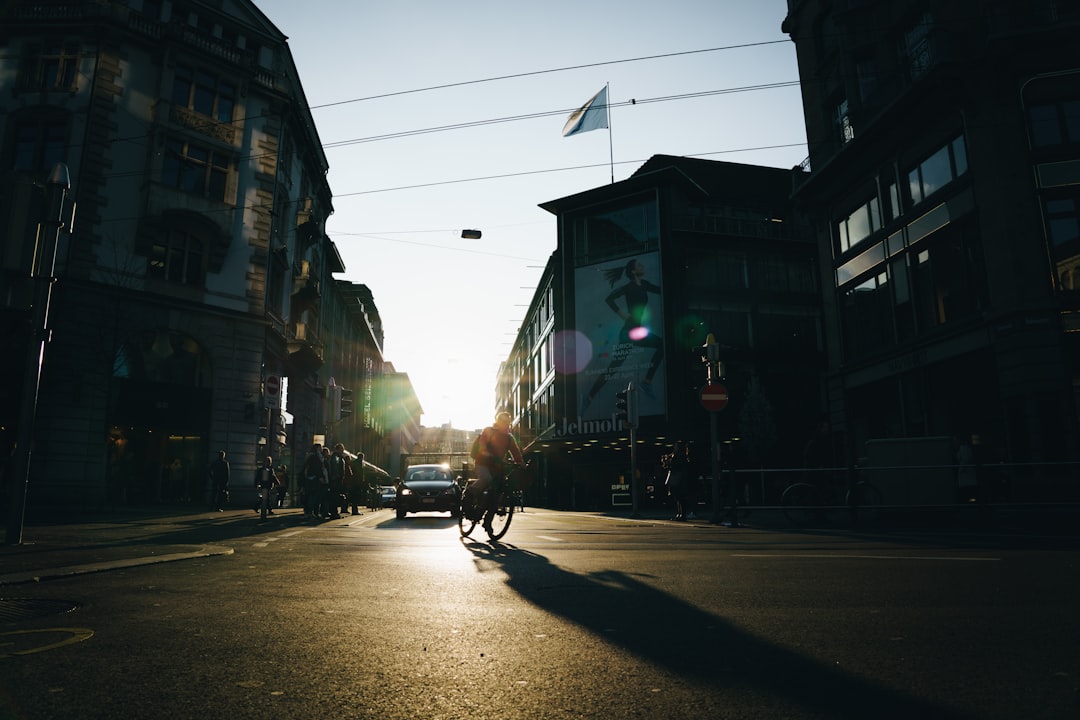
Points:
(489, 454)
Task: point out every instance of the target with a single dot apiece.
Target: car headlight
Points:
(406, 491)
(452, 490)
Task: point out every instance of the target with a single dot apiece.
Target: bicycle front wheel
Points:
(464, 523)
(499, 519)
(801, 504)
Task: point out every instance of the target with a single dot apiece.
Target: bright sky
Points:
(451, 307)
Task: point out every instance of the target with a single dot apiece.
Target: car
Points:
(387, 496)
(428, 488)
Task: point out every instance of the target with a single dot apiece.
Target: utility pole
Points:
(56, 219)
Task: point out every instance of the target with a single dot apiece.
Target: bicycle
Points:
(804, 503)
(496, 519)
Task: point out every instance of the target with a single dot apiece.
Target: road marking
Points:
(76, 635)
(548, 537)
(867, 557)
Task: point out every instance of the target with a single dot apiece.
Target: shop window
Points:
(162, 356)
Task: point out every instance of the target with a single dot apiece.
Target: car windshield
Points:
(429, 474)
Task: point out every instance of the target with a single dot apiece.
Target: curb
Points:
(39, 575)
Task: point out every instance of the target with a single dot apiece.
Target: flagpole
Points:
(611, 148)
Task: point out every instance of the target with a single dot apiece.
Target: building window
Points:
(1063, 230)
(630, 228)
(195, 169)
(1055, 124)
(39, 145)
(53, 66)
(867, 316)
(845, 130)
(859, 225)
(916, 50)
(205, 93)
(937, 171)
(178, 257)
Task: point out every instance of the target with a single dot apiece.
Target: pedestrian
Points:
(265, 480)
(356, 489)
(219, 481)
(282, 488)
(312, 473)
(340, 477)
(324, 502)
(677, 463)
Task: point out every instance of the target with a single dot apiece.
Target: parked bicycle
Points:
(806, 503)
(496, 510)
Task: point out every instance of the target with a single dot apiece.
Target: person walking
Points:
(340, 478)
(219, 481)
(313, 474)
(281, 490)
(323, 504)
(677, 463)
(265, 480)
(356, 489)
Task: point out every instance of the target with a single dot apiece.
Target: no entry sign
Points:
(714, 397)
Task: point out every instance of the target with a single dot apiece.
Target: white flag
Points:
(590, 116)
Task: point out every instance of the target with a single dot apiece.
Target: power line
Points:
(555, 170)
(548, 113)
(545, 72)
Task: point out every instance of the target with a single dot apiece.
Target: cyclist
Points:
(489, 452)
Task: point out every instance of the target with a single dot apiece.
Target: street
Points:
(572, 616)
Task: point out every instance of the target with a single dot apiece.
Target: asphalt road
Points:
(572, 616)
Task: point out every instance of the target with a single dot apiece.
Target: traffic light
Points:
(626, 408)
(622, 406)
(333, 403)
(345, 405)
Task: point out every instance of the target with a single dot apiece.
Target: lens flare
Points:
(690, 331)
(573, 351)
(639, 333)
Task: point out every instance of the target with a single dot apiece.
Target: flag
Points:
(590, 116)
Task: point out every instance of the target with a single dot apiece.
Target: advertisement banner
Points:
(619, 312)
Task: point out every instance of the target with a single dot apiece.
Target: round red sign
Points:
(714, 397)
(273, 385)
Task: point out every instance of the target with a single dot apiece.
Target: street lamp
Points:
(55, 219)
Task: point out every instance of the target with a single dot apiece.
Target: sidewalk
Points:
(57, 548)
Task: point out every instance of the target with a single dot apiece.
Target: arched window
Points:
(163, 356)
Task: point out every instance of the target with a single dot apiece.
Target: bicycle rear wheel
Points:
(801, 504)
(499, 519)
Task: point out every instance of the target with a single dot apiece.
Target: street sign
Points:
(714, 397)
(273, 385)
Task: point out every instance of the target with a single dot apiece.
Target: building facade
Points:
(645, 269)
(944, 140)
(194, 292)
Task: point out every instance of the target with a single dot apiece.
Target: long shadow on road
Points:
(666, 631)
